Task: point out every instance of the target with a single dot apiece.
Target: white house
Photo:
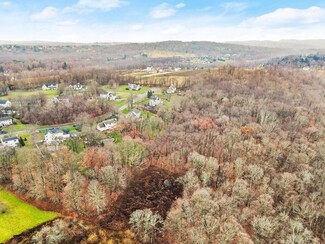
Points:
(108, 96)
(177, 69)
(154, 101)
(56, 135)
(5, 121)
(10, 141)
(134, 114)
(46, 87)
(6, 111)
(171, 90)
(5, 104)
(149, 69)
(77, 87)
(107, 125)
(134, 87)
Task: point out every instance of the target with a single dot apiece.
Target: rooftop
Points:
(5, 118)
(57, 131)
(3, 101)
(10, 139)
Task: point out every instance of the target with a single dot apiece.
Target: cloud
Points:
(180, 5)
(234, 6)
(285, 17)
(136, 27)
(46, 13)
(67, 22)
(105, 5)
(206, 8)
(172, 30)
(165, 10)
(199, 26)
(5, 4)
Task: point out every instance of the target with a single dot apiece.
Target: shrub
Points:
(3, 208)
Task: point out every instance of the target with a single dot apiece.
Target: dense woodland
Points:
(239, 159)
(299, 61)
(42, 111)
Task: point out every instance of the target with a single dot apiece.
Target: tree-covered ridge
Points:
(299, 61)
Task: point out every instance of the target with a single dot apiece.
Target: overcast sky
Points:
(146, 21)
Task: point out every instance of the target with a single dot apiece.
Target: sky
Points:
(148, 21)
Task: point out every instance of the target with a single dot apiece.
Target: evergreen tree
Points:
(65, 66)
(21, 142)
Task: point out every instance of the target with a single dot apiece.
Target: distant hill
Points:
(306, 45)
(49, 43)
(122, 55)
(20, 55)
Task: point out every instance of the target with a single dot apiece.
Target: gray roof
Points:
(10, 139)
(136, 111)
(3, 101)
(101, 125)
(5, 118)
(154, 98)
(56, 131)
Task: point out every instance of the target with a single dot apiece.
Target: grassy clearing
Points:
(147, 114)
(16, 94)
(144, 114)
(19, 216)
(116, 135)
(125, 89)
(119, 103)
(125, 111)
(142, 101)
(122, 95)
(70, 128)
(26, 138)
(18, 126)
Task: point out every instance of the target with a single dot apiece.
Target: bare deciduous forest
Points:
(238, 159)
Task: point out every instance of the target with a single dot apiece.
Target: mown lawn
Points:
(15, 94)
(18, 126)
(120, 103)
(125, 89)
(70, 128)
(116, 135)
(19, 216)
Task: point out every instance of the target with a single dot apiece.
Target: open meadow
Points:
(17, 216)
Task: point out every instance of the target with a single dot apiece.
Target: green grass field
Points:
(70, 128)
(20, 216)
(116, 135)
(15, 94)
(18, 126)
(124, 89)
(120, 102)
